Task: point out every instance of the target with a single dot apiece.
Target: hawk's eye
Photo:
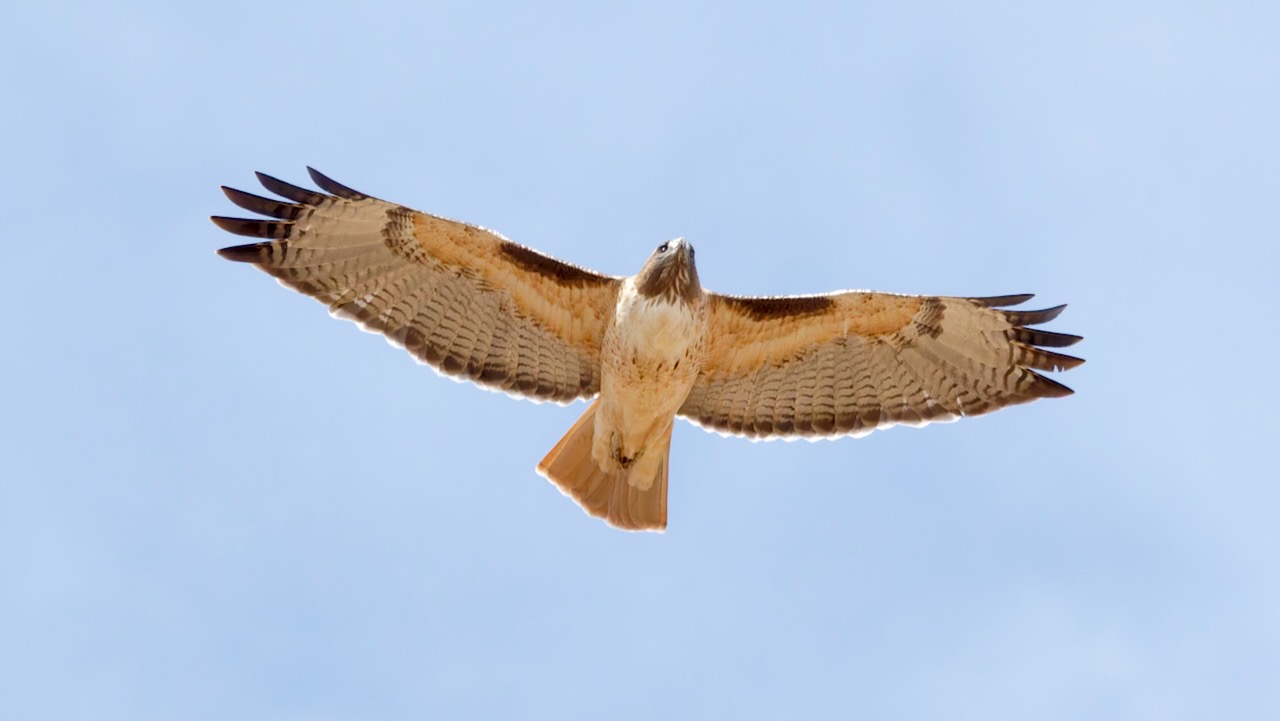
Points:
(664, 247)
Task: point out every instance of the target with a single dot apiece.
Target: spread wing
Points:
(848, 363)
(458, 297)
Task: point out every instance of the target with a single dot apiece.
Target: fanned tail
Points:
(606, 495)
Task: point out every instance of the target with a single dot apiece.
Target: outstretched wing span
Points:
(458, 297)
(848, 363)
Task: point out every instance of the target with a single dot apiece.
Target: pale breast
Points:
(651, 356)
(655, 327)
(652, 353)
(658, 331)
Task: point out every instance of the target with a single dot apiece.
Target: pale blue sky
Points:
(216, 502)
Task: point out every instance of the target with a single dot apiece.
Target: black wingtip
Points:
(1044, 338)
(329, 185)
(291, 191)
(251, 253)
(1048, 361)
(997, 301)
(1034, 317)
(231, 225)
(1049, 388)
(265, 206)
(253, 228)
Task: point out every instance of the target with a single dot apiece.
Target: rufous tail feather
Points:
(604, 494)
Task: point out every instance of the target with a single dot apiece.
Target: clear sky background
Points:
(218, 503)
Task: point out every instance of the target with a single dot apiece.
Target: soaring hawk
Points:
(647, 347)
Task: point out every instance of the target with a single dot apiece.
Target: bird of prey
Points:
(648, 347)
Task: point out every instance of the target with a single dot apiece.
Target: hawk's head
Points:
(670, 274)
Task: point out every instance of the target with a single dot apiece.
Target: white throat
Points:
(653, 327)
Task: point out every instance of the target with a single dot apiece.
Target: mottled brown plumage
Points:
(649, 347)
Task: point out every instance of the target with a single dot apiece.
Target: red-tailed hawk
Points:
(648, 347)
